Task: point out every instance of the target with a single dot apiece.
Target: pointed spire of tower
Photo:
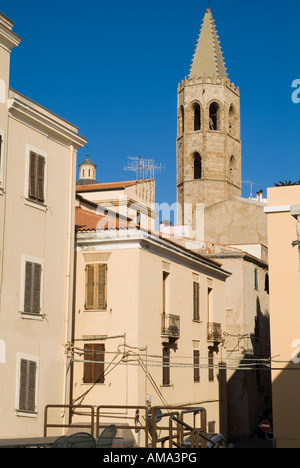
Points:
(208, 58)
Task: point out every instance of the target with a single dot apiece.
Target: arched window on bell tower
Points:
(214, 116)
(197, 166)
(181, 121)
(197, 117)
(232, 126)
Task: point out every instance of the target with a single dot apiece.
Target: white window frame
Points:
(40, 261)
(28, 201)
(35, 359)
(2, 157)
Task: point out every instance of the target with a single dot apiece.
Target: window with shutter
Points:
(32, 288)
(27, 389)
(196, 365)
(196, 309)
(36, 186)
(166, 366)
(94, 357)
(102, 287)
(96, 287)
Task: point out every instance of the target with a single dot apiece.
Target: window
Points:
(196, 308)
(181, 121)
(196, 359)
(32, 285)
(96, 276)
(256, 279)
(165, 292)
(166, 366)
(36, 184)
(197, 117)
(94, 358)
(232, 165)
(214, 114)
(210, 366)
(27, 385)
(197, 166)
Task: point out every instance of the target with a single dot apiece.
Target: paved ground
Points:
(252, 443)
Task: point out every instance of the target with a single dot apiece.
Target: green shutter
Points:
(31, 386)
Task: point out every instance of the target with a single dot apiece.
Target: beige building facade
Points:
(283, 213)
(153, 312)
(37, 201)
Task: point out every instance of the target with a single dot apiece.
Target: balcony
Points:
(214, 332)
(170, 326)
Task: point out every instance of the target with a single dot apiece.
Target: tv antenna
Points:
(144, 168)
(251, 185)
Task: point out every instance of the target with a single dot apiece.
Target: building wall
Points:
(284, 313)
(134, 309)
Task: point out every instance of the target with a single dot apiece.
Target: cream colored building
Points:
(37, 201)
(134, 199)
(152, 312)
(283, 213)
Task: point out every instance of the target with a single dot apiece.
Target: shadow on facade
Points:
(246, 392)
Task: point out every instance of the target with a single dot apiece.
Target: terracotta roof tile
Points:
(87, 221)
(111, 185)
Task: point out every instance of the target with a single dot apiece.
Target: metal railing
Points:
(170, 325)
(214, 332)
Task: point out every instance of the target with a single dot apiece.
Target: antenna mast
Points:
(144, 168)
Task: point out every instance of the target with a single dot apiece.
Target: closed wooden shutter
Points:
(28, 287)
(196, 302)
(40, 179)
(94, 356)
(196, 365)
(27, 394)
(90, 287)
(36, 284)
(32, 175)
(166, 366)
(102, 286)
(36, 190)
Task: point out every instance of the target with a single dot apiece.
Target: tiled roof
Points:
(87, 221)
(111, 185)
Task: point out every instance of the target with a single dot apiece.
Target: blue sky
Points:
(111, 67)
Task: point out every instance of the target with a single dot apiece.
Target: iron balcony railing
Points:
(214, 332)
(170, 325)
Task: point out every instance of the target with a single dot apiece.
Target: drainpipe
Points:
(70, 245)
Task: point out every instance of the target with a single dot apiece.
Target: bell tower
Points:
(208, 133)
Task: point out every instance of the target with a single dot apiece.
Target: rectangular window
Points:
(27, 385)
(36, 183)
(32, 288)
(96, 278)
(196, 308)
(210, 366)
(165, 292)
(196, 365)
(166, 366)
(256, 279)
(94, 357)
